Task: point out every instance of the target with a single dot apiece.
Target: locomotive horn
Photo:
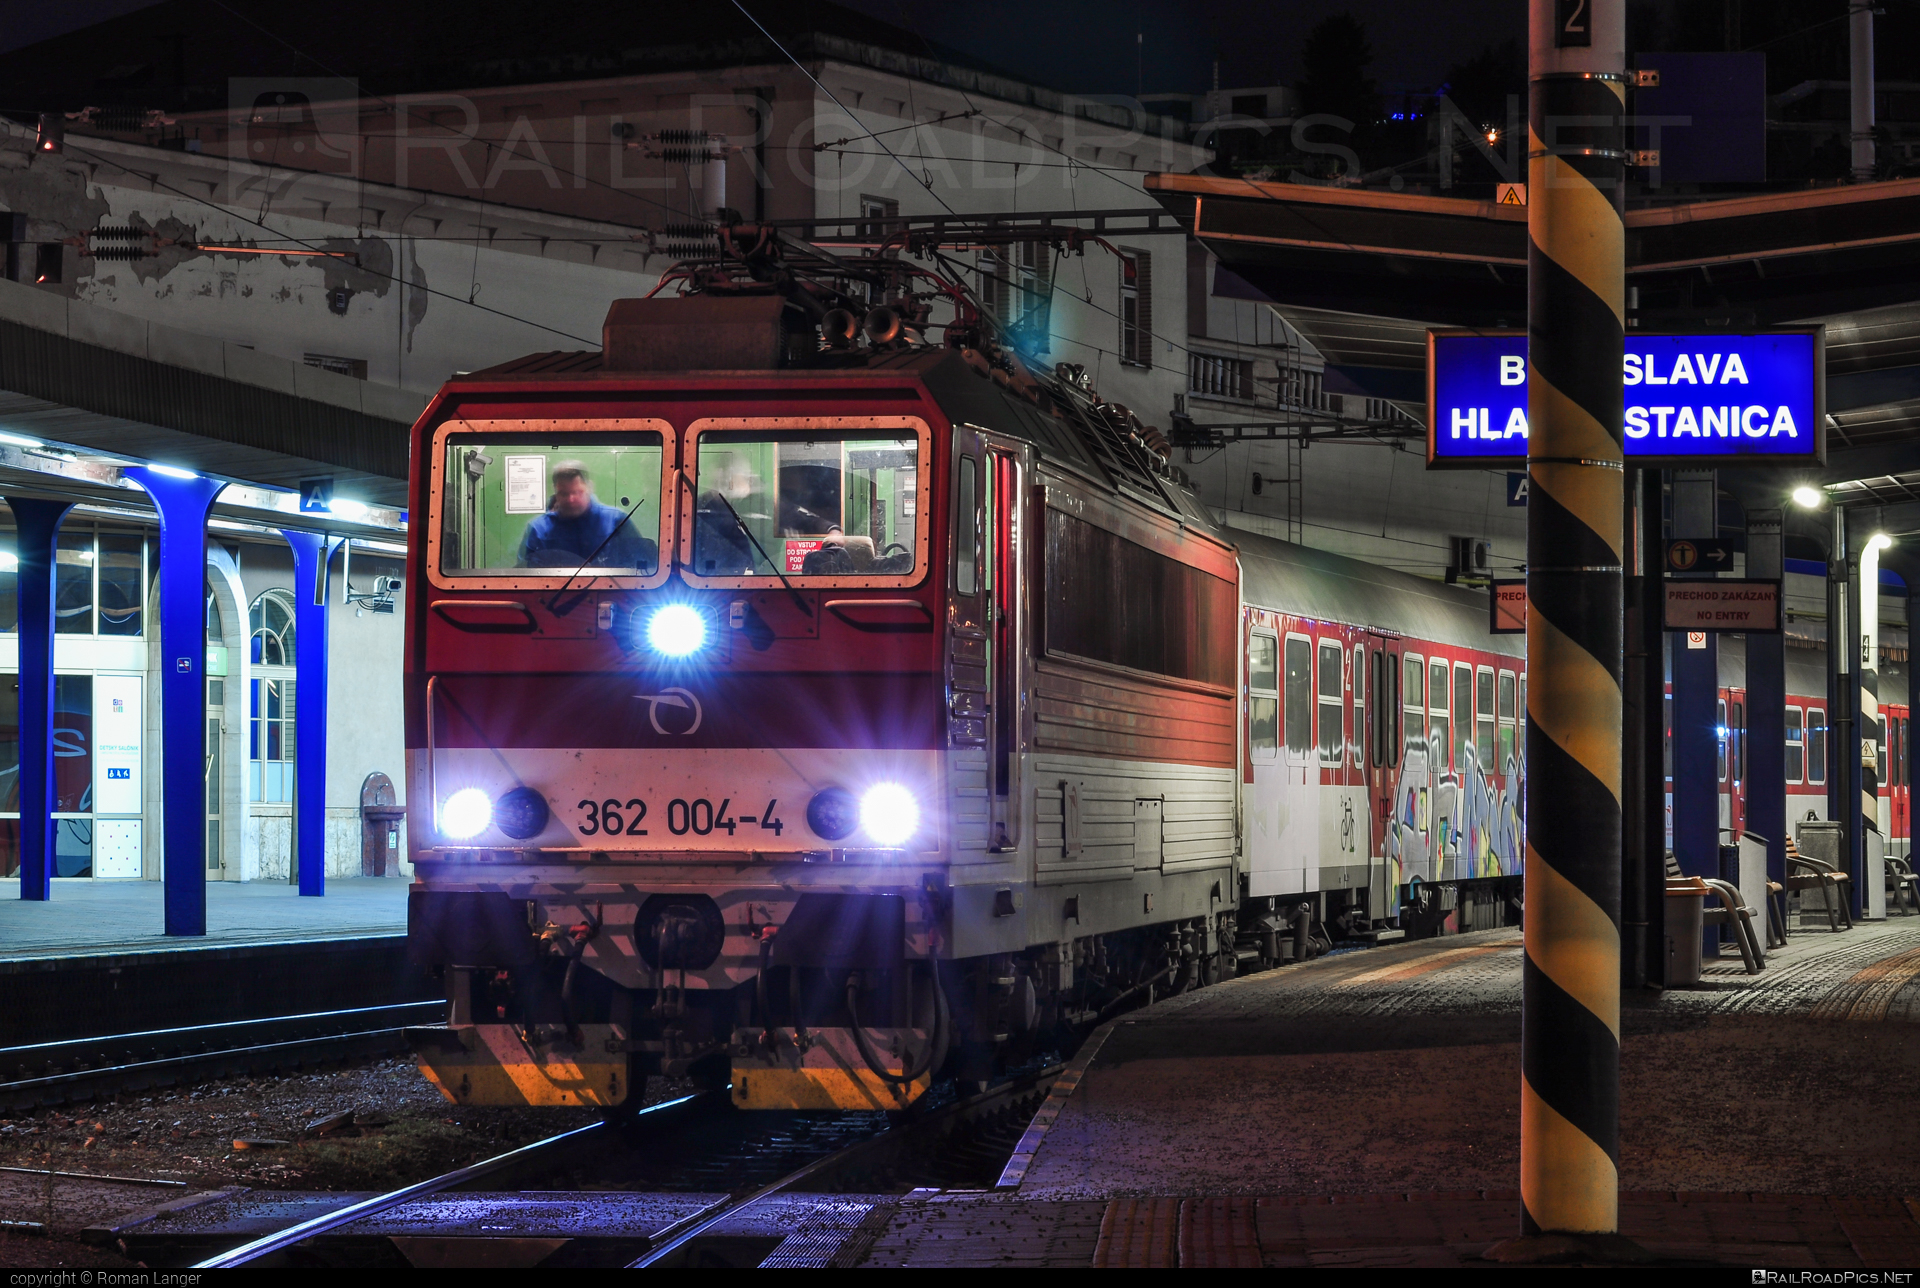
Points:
(839, 327)
(882, 325)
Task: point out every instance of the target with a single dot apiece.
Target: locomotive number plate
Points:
(700, 816)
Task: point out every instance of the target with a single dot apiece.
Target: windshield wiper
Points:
(611, 534)
(798, 600)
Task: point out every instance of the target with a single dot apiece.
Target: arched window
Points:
(272, 625)
(216, 627)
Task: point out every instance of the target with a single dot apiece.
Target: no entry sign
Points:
(1710, 604)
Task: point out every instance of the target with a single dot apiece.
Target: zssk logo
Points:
(675, 700)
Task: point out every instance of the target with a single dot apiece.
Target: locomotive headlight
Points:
(889, 813)
(677, 630)
(466, 814)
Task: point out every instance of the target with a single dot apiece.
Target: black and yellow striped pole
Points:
(1576, 275)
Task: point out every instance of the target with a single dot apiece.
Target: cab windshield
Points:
(553, 503)
(806, 503)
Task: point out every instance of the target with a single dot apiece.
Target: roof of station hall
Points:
(1364, 274)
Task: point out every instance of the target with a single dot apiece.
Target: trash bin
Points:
(1685, 908)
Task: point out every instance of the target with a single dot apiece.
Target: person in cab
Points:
(579, 531)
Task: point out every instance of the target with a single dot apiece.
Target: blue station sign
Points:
(1755, 398)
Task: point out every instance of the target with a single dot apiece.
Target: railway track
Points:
(52, 1073)
(688, 1182)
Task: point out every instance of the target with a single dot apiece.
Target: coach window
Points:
(1505, 748)
(1358, 739)
(1439, 728)
(1390, 711)
(1414, 693)
(1462, 714)
(1263, 700)
(1737, 753)
(1796, 746)
(1666, 737)
(1332, 703)
(1816, 745)
(1720, 733)
(1483, 723)
(1299, 711)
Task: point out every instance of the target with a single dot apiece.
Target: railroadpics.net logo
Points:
(1832, 1277)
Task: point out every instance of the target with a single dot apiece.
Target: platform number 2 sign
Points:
(1572, 24)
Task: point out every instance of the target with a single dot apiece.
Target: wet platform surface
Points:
(89, 918)
(1363, 1110)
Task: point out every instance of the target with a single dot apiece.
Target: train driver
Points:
(578, 529)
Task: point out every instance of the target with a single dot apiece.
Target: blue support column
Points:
(182, 501)
(1767, 703)
(1696, 688)
(38, 525)
(312, 553)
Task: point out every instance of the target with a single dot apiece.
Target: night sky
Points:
(1088, 46)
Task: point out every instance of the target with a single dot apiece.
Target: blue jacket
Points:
(554, 542)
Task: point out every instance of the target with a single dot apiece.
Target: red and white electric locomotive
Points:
(803, 705)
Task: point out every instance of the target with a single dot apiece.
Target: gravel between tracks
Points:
(187, 1134)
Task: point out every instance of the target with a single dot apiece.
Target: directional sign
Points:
(1752, 398)
(1508, 604)
(1516, 487)
(1720, 604)
(1699, 555)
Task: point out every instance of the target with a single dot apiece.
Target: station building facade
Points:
(107, 730)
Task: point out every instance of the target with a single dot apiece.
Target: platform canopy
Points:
(1363, 274)
(85, 390)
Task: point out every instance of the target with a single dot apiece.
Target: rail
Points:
(539, 1150)
(94, 1064)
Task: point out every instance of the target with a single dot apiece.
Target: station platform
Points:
(94, 960)
(95, 918)
(1362, 1109)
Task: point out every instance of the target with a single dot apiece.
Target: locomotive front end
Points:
(675, 727)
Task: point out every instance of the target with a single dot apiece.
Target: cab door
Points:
(1010, 629)
(989, 626)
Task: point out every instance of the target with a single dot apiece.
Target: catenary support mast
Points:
(1570, 1037)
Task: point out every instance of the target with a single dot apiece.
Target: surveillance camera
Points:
(386, 585)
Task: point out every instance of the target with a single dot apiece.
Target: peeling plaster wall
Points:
(412, 306)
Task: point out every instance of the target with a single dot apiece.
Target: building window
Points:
(1136, 307)
(1212, 376)
(270, 739)
(355, 367)
(99, 583)
(272, 623)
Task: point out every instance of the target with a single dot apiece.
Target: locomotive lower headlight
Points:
(466, 814)
(889, 813)
(676, 630)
